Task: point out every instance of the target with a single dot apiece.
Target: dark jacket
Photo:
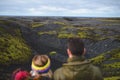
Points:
(78, 68)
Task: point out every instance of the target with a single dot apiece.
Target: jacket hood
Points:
(77, 63)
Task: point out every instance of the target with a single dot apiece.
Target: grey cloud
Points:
(96, 6)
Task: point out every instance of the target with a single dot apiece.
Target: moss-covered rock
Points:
(13, 48)
(37, 24)
(109, 62)
(66, 35)
(112, 78)
(84, 32)
(47, 32)
(52, 53)
(59, 23)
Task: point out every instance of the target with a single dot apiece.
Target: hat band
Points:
(42, 69)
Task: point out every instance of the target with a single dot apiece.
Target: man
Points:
(77, 67)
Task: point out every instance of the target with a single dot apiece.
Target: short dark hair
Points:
(76, 46)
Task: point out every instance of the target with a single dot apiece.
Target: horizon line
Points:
(59, 16)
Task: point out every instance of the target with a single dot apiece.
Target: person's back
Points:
(77, 67)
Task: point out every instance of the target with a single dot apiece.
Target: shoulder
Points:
(58, 71)
(95, 69)
(97, 73)
(58, 74)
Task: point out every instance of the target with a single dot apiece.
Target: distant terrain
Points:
(23, 37)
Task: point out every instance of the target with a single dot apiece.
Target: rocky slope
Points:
(47, 34)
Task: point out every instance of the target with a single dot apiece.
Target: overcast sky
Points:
(79, 8)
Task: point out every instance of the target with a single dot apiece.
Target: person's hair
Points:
(40, 60)
(76, 46)
(20, 74)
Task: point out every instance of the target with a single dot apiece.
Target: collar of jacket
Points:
(75, 60)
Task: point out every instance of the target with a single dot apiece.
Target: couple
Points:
(76, 68)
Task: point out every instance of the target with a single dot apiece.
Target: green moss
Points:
(114, 54)
(111, 57)
(66, 27)
(88, 32)
(52, 53)
(99, 59)
(17, 32)
(37, 24)
(112, 78)
(92, 33)
(68, 30)
(83, 35)
(13, 50)
(86, 28)
(59, 23)
(47, 32)
(113, 65)
(96, 33)
(65, 35)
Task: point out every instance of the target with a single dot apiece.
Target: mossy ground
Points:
(13, 48)
(59, 23)
(36, 24)
(112, 78)
(68, 30)
(108, 63)
(83, 32)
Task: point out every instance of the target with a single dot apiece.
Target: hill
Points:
(13, 48)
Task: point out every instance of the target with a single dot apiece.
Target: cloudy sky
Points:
(79, 8)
